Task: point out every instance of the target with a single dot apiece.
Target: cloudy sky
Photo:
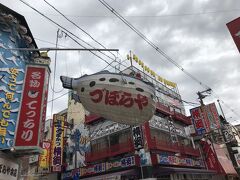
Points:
(192, 33)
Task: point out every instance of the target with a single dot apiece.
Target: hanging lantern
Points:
(114, 96)
(128, 57)
(145, 68)
(134, 57)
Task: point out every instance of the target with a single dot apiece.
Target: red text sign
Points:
(198, 120)
(30, 115)
(234, 28)
(118, 98)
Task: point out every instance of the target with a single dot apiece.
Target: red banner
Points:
(211, 158)
(29, 122)
(198, 120)
(234, 28)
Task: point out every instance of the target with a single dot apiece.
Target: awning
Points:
(224, 161)
(171, 170)
(116, 175)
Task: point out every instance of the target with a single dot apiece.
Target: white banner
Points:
(8, 169)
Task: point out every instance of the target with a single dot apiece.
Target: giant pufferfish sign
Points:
(117, 97)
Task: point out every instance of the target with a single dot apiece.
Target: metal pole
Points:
(221, 109)
(131, 58)
(200, 96)
(60, 49)
(54, 72)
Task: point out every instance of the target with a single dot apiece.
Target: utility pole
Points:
(201, 96)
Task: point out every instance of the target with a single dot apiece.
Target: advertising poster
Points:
(44, 158)
(234, 29)
(9, 169)
(29, 123)
(12, 74)
(198, 120)
(57, 143)
(78, 141)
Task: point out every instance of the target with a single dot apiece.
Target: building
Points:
(24, 87)
(159, 148)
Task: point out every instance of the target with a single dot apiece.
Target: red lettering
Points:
(141, 101)
(112, 97)
(126, 100)
(99, 95)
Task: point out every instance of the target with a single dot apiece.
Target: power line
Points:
(153, 16)
(48, 42)
(57, 97)
(152, 44)
(67, 31)
(77, 26)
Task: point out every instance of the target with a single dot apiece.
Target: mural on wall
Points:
(78, 141)
(12, 63)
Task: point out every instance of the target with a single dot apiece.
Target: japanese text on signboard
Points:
(45, 157)
(118, 98)
(57, 148)
(29, 120)
(137, 137)
(6, 108)
(198, 120)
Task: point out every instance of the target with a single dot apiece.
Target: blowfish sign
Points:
(117, 97)
(29, 125)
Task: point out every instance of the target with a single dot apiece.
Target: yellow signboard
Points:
(44, 158)
(57, 142)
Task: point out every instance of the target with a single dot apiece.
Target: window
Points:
(114, 139)
(99, 144)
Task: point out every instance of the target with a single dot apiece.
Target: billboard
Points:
(205, 118)
(12, 72)
(198, 120)
(9, 169)
(29, 124)
(167, 159)
(234, 29)
(44, 158)
(57, 143)
(211, 117)
(79, 141)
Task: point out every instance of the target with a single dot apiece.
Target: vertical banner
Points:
(198, 120)
(215, 115)
(44, 106)
(12, 72)
(29, 123)
(234, 29)
(57, 142)
(211, 117)
(211, 157)
(137, 137)
(44, 158)
(205, 118)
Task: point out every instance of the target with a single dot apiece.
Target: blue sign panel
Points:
(12, 69)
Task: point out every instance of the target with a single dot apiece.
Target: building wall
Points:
(12, 63)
